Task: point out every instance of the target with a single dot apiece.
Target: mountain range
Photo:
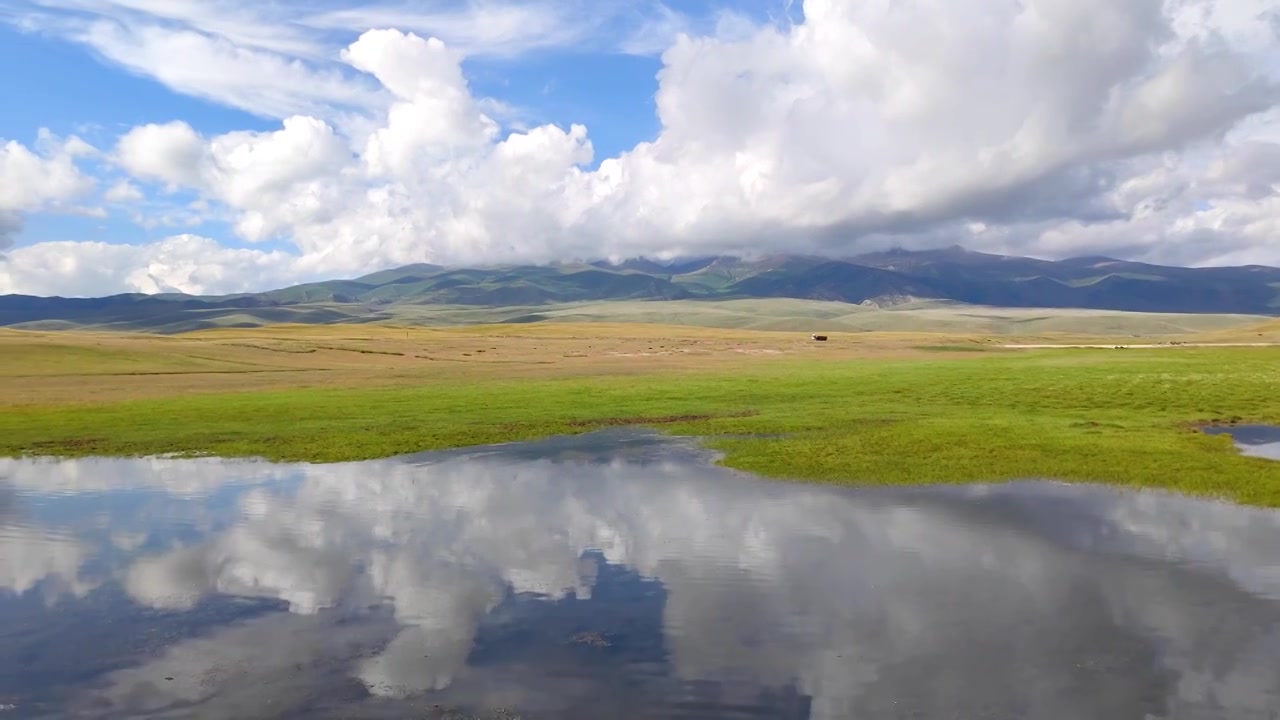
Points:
(883, 279)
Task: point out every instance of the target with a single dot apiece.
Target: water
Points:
(1261, 441)
(619, 575)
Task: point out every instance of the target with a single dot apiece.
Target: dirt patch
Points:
(289, 350)
(74, 444)
(1092, 425)
(362, 351)
(660, 420)
(1200, 425)
(952, 348)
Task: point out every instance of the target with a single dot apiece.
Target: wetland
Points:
(619, 573)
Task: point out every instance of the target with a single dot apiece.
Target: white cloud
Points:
(123, 191)
(652, 30)
(1055, 125)
(214, 68)
(277, 60)
(274, 179)
(31, 181)
(251, 56)
(262, 26)
(183, 263)
(10, 225)
(172, 153)
(497, 29)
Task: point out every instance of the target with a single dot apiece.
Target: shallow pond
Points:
(1261, 441)
(619, 575)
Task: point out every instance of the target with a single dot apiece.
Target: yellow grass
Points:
(52, 368)
(40, 368)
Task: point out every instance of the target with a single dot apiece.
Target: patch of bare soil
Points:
(661, 420)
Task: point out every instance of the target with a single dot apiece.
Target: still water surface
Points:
(619, 575)
(1261, 441)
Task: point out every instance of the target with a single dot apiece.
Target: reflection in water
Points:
(1261, 441)
(620, 575)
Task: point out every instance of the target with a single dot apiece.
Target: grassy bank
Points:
(1108, 416)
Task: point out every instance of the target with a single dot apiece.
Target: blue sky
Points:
(67, 89)
(72, 90)
(200, 146)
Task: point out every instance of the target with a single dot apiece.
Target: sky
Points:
(216, 146)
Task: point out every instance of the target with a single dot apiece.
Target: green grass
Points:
(1100, 416)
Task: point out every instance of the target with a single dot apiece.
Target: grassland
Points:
(862, 408)
(769, 314)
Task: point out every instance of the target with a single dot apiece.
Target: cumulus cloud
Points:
(10, 225)
(171, 152)
(38, 179)
(182, 263)
(878, 118)
(1050, 127)
(274, 179)
(29, 180)
(273, 60)
(123, 191)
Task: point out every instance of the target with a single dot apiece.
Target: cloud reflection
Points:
(1033, 600)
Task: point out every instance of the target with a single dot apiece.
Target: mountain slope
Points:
(949, 274)
(834, 281)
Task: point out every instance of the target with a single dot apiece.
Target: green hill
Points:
(531, 293)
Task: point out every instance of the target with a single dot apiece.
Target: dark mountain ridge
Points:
(951, 274)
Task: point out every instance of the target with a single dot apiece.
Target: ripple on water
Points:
(620, 575)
